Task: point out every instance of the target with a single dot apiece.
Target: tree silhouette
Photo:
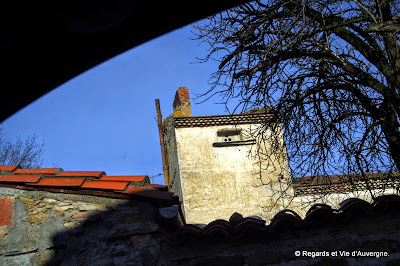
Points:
(329, 70)
(26, 153)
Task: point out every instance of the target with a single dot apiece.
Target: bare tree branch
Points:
(329, 69)
(25, 153)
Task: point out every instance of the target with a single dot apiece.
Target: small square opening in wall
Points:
(231, 137)
(229, 134)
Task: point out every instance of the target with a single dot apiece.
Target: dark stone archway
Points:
(45, 43)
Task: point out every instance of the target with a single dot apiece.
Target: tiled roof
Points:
(284, 222)
(220, 120)
(313, 185)
(84, 182)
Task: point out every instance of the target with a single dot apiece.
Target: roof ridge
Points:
(226, 115)
(313, 185)
(218, 120)
(83, 182)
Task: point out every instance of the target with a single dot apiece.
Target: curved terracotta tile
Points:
(286, 212)
(382, 202)
(320, 217)
(131, 178)
(59, 182)
(44, 171)
(20, 178)
(247, 226)
(9, 168)
(349, 201)
(285, 221)
(184, 233)
(386, 203)
(82, 173)
(318, 206)
(218, 224)
(109, 185)
(356, 204)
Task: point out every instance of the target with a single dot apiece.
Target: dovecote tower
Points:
(222, 164)
(215, 164)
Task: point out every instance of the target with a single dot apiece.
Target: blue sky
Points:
(105, 118)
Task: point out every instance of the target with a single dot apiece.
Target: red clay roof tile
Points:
(20, 178)
(98, 184)
(44, 171)
(80, 182)
(152, 193)
(9, 168)
(131, 178)
(82, 173)
(59, 182)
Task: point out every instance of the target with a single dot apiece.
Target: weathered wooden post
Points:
(162, 144)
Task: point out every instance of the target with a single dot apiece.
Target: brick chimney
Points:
(182, 103)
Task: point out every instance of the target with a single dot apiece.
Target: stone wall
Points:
(38, 227)
(44, 228)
